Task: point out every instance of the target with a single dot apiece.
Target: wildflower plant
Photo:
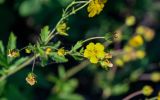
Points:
(45, 49)
(115, 59)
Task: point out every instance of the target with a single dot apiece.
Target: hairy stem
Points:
(27, 62)
(93, 38)
(132, 95)
(76, 69)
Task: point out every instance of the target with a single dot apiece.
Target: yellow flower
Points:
(126, 58)
(155, 76)
(147, 32)
(147, 90)
(140, 29)
(62, 28)
(130, 20)
(140, 54)
(13, 53)
(136, 41)
(61, 52)
(27, 50)
(95, 7)
(48, 51)
(94, 52)
(31, 79)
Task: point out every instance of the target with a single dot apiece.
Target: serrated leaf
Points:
(12, 42)
(43, 56)
(44, 35)
(77, 46)
(57, 44)
(77, 56)
(59, 59)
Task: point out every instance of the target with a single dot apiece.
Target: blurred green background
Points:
(26, 17)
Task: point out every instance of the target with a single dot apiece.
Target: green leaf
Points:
(3, 60)
(77, 46)
(59, 59)
(77, 56)
(12, 42)
(44, 35)
(2, 86)
(43, 56)
(11, 45)
(61, 72)
(57, 44)
(1, 48)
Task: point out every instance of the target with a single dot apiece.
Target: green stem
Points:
(132, 95)
(27, 62)
(76, 69)
(93, 38)
(71, 13)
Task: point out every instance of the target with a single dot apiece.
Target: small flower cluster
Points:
(62, 28)
(95, 53)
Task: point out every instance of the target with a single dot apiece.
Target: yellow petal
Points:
(93, 60)
(90, 46)
(99, 47)
(101, 54)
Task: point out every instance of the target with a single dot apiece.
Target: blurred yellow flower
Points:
(147, 90)
(146, 32)
(13, 53)
(126, 57)
(130, 20)
(61, 52)
(95, 7)
(119, 62)
(128, 49)
(140, 29)
(155, 76)
(48, 51)
(31, 79)
(62, 28)
(94, 52)
(149, 34)
(140, 54)
(136, 41)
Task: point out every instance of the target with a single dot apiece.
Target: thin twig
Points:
(27, 62)
(132, 95)
(76, 69)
